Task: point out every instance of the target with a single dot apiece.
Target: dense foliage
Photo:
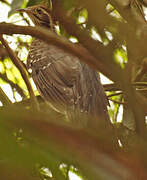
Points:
(38, 144)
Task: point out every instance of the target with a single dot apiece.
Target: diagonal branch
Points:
(51, 38)
(19, 65)
(4, 98)
(96, 48)
(79, 146)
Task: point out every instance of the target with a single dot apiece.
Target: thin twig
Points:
(22, 70)
(139, 84)
(6, 2)
(114, 94)
(142, 90)
(116, 87)
(4, 98)
(116, 114)
(119, 93)
(13, 85)
(118, 102)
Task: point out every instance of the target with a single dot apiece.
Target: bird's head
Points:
(39, 14)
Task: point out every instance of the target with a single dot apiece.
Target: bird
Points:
(70, 86)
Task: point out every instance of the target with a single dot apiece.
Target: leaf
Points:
(34, 2)
(15, 5)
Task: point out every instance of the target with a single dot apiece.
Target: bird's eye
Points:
(39, 11)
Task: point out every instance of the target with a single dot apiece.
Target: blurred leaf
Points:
(46, 143)
(2, 68)
(120, 57)
(5, 1)
(82, 16)
(69, 4)
(2, 81)
(8, 63)
(42, 146)
(10, 76)
(16, 4)
(34, 2)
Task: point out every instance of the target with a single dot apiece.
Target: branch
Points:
(92, 153)
(103, 53)
(4, 98)
(131, 11)
(116, 87)
(118, 102)
(114, 94)
(51, 38)
(22, 70)
(6, 2)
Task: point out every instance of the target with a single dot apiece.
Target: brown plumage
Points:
(70, 86)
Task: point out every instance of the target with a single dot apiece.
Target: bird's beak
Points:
(26, 10)
(20, 10)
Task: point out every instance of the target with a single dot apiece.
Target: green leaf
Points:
(16, 5)
(34, 2)
(120, 57)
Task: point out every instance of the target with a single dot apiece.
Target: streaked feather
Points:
(65, 82)
(69, 85)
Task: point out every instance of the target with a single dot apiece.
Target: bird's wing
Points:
(66, 83)
(54, 72)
